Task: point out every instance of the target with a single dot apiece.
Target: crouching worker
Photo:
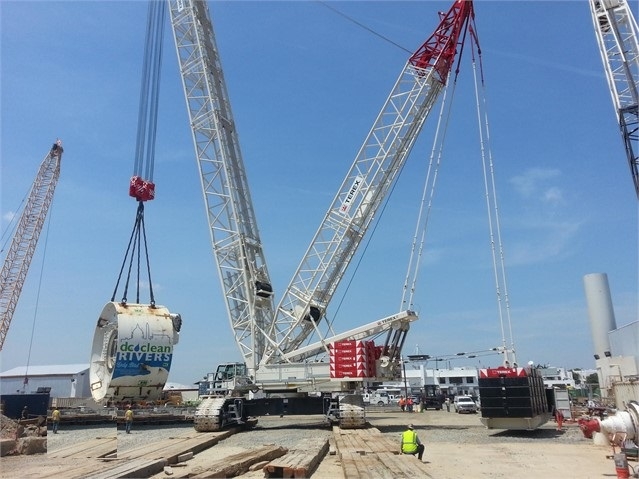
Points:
(411, 443)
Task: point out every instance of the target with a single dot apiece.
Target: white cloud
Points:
(533, 183)
(553, 195)
(546, 240)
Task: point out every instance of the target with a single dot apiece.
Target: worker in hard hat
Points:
(559, 418)
(128, 419)
(55, 419)
(411, 443)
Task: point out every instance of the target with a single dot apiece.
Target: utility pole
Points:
(405, 382)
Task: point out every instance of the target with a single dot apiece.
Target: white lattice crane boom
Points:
(618, 40)
(376, 166)
(233, 228)
(25, 238)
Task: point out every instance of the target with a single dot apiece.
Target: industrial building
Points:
(615, 349)
(60, 381)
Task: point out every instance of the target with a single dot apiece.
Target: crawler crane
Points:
(24, 242)
(271, 338)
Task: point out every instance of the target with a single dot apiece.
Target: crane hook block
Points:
(140, 189)
(132, 351)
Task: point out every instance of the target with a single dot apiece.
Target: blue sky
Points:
(306, 85)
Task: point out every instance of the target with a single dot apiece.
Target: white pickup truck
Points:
(379, 399)
(465, 404)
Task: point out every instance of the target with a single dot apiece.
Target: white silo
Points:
(600, 311)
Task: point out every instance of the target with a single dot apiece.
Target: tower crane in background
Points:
(618, 40)
(25, 239)
(270, 338)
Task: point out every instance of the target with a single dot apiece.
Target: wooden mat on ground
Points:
(98, 447)
(367, 453)
(298, 462)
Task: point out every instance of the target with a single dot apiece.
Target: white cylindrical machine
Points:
(617, 429)
(132, 351)
(600, 311)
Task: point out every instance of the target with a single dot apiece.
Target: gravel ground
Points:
(434, 426)
(69, 435)
(441, 426)
(455, 444)
(286, 432)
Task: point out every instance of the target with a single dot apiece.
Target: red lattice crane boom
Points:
(25, 239)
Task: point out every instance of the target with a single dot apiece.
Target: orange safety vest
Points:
(409, 442)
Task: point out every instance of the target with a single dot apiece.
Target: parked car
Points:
(380, 399)
(431, 402)
(465, 404)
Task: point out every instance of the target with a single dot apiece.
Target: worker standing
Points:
(411, 443)
(559, 417)
(55, 419)
(128, 419)
(402, 403)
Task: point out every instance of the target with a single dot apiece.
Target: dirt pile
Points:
(8, 427)
(22, 437)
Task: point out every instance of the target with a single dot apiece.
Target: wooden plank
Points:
(398, 464)
(409, 465)
(298, 463)
(132, 468)
(74, 470)
(332, 447)
(349, 465)
(240, 463)
(377, 469)
(366, 453)
(93, 448)
(171, 448)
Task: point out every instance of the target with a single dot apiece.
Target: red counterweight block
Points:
(141, 190)
(370, 359)
(350, 358)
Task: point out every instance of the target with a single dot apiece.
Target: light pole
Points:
(405, 383)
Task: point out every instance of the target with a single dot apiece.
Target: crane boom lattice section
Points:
(367, 183)
(25, 239)
(232, 223)
(618, 40)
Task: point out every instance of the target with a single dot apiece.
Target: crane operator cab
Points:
(227, 378)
